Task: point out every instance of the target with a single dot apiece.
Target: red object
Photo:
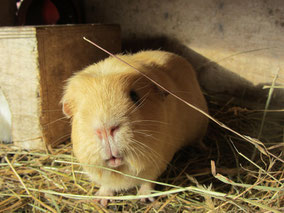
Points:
(50, 13)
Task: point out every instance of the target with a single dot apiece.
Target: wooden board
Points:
(35, 62)
(19, 74)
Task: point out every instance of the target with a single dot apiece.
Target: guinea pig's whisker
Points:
(144, 152)
(60, 138)
(142, 146)
(51, 110)
(137, 80)
(153, 121)
(133, 156)
(142, 87)
(52, 122)
(133, 152)
(140, 143)
(142, 101)
(134, 107)
(154, 158)
(165, 142)
(145, 131)
(141, 132)
(145, 147)
(147, 135)
(140, 152)
(151, 131)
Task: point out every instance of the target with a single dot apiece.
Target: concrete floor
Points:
(235, 46)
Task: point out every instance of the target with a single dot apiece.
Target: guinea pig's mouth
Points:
(114, 162)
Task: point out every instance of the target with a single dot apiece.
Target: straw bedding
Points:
(220, 179)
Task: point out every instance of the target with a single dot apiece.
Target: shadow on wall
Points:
(226, 92)
(218, 82)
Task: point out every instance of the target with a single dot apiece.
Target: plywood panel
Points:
(61, 54)
(35, 62)
(19, 79)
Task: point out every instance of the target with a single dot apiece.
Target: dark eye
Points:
(134, 97)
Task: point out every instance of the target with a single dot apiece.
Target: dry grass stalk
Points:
(54, 181)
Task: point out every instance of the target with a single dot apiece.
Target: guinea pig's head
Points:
(116, 118)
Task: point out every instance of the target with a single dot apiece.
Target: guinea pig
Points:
(122, 120)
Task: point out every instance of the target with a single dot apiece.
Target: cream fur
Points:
(99, 96)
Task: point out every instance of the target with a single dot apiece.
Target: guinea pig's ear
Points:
(70, 92)
(67, 105)
(66, 108)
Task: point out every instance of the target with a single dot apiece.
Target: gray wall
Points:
(235, 46)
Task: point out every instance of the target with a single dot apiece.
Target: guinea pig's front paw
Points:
(103, 192)
(146, 189)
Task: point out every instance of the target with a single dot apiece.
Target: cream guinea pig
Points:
(121, 120)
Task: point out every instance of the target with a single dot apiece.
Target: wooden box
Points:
(35, 62)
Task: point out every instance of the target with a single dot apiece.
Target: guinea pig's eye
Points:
(134, 97)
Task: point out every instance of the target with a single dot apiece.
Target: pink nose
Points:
(107, 132)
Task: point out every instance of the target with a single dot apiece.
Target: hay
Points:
(221, 180)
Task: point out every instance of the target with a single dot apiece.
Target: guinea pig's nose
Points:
(106, 132)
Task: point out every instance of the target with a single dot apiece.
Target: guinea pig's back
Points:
(177, 75)
(189, 124)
